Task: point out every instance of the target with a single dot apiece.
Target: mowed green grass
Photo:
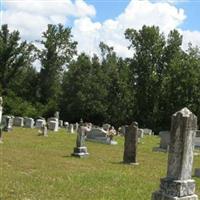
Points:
(41, 168)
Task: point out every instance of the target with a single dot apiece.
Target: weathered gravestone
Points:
(28, 122)
(99, 135)
(80, 150)
(130, 144)
(19, 121)
(178, 184)
(147, 131)
(39, 123)
(52, 123)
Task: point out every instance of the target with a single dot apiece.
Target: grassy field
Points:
(41, 168)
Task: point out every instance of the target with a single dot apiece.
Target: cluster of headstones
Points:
(178, 184)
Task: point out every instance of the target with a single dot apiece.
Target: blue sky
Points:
(112, 8)
(93, 21)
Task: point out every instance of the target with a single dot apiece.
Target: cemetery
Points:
(99, 100)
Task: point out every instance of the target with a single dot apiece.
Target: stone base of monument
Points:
(158, 149)
(102, 140)
(197, 172)
(130, 163)
(160, 196)
(175, 190)
(80, 152)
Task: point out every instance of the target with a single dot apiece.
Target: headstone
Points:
(164, 139)
(19, 121)
(140, 133)
(76, 127)
(71, 128)
(106, 127)
(197, 140)
(80, 150)
(56, 115)
(130, 144)
(66, 124)
(1, 134)
(178, 185)
(147, 131)
(7, 122)
(52, 123)
(61, 123)
(1, 109)
(44, 130)
(53, 126)
(197, 172)
(39, 123)
(28, 122)
(99, 135)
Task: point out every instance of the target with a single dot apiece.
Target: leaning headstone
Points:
(19, 121)
(80, 150)
(39, 123)
(1, 109)
(130, 144)
(178, 185)
(28, 122)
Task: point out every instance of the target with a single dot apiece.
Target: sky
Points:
(93, 21)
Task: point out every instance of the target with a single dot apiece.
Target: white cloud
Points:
(31, 17)
(136, 14)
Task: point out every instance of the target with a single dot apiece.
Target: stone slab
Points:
(160, 196)
(179, 188)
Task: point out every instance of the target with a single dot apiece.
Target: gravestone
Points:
(1, 134)
(140, 133)
(44, 130)
(66, 124)
(28, 122)
(178, 185)
(39, 123)
(7, 122)
(61, 123)
(80, 150)
(76, 125)
(52, 124)
(1, 109)
(164, 139)
(99, 135)
(197, 172)
(197, 140)
(106, 127)
(56, 115)
(147, 131)
(130, 144)
(18, 121)
(71, 128)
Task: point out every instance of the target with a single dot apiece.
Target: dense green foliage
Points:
(158, 80)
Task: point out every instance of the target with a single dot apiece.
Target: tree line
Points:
(159, 79)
